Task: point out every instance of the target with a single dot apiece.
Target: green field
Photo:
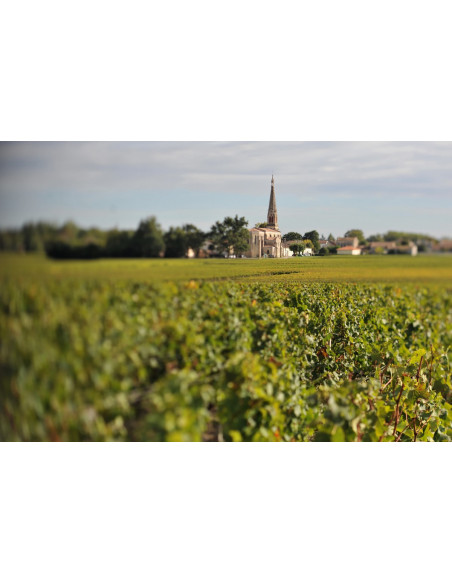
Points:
(309, 349)
(425, 270)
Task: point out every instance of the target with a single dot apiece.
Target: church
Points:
(266, 242)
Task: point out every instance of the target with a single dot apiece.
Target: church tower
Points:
(272, 216)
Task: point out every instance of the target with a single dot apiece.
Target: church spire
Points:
(272, 216)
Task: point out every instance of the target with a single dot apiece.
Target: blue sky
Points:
(328, 186)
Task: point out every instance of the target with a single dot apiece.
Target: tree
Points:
(416, 237)
(175, 243)
(262, 225)
(147, 241)
(297, 248)
(68, 232)
(119, 244)
(356, 233)
(331, 237)
(194, 237)
(292, 236)
(314, 237)
(230, 235)
(31, 238)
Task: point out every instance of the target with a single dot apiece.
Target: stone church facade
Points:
(267, 241)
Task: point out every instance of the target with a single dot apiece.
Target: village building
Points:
(444, 245)
(349, 250)
(381, 246)
(266, 242)
(326, 243)
(408, 248)
(392, 247)
(347, 242)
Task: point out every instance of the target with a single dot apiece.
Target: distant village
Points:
(230, 238)
(266, 241)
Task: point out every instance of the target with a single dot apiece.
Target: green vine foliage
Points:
(233, 361)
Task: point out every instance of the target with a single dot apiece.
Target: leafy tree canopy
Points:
(401, 235)
(297, 248)
(119, 243)
(356, 233)
(396, 235)
(148, 240)
(175, 242)
(377, 237)
(292, 236)
(194, 237)
(313, 236)
(231, 235)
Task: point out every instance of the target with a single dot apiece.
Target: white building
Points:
(347, 242)
(349, 250)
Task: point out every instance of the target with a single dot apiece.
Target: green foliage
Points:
(84, 360)
(356, 233)
(379, 250)
(397, 235)
(11, 240)
(119, 244)
(194, 237)
(175, 243)
(297, 248)
(178, 240)
(231, 235)
(313, 237)
(292, 236)
(32, 239)
(72, 242)
(147, 241)
(62, 250)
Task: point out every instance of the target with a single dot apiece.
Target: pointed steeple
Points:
(272, 215)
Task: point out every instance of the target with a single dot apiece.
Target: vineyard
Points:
(427, 270)
(268, 356)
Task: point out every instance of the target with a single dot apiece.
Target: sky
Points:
(328, 186)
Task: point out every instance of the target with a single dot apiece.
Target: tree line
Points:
(225, 238)
(310, 240)
(69, 241)
(417, 238)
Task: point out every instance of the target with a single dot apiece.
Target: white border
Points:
(236, 71)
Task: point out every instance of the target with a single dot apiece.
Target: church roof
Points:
(264, 229)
